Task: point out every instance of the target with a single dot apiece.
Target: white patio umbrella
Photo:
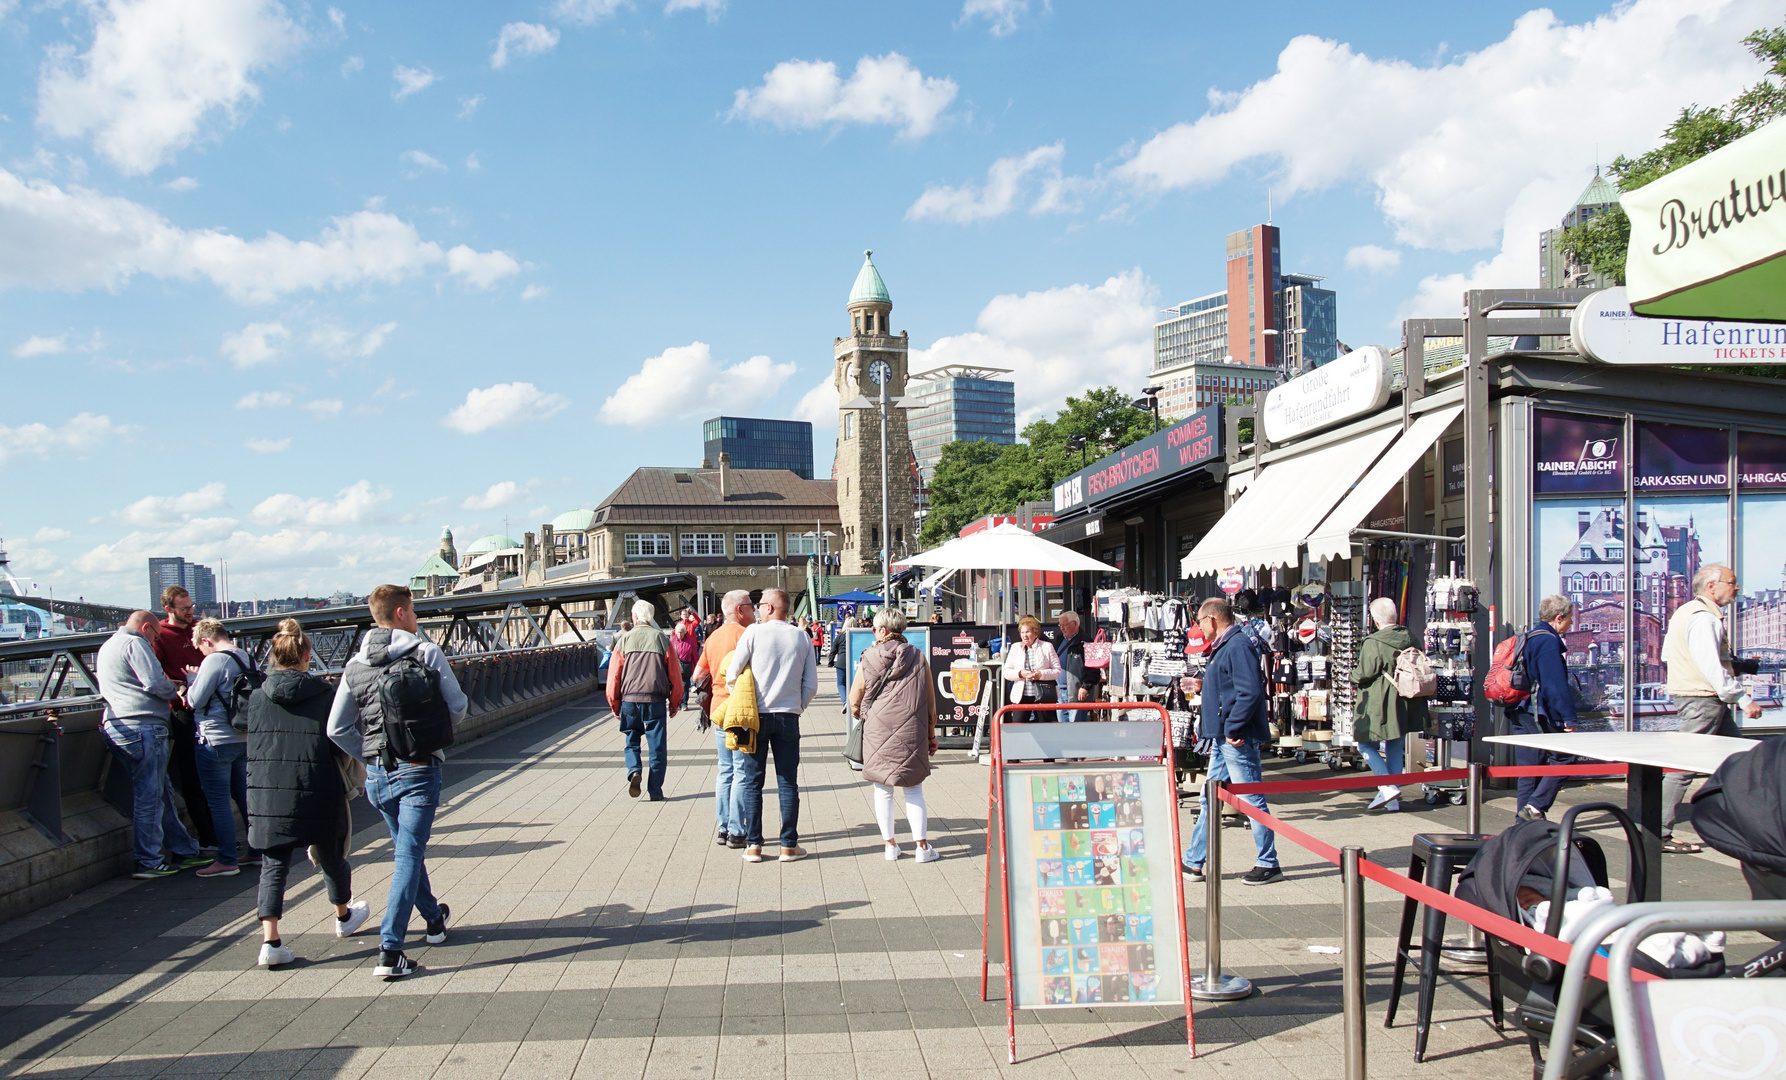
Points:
(1006, 547)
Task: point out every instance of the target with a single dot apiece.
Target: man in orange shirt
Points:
(738, 612)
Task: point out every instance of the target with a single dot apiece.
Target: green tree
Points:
(1601, 241)
(973, 479)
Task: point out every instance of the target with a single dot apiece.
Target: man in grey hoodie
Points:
(406, 793)
(137, 696)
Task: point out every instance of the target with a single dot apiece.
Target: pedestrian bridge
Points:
(595, 935)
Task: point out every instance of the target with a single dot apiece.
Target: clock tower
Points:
(870, 354)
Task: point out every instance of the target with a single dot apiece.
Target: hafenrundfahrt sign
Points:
(1351, 386)
(1606, 329)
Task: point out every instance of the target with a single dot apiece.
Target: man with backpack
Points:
(395, 710)
(1548, 707)
(218, 694)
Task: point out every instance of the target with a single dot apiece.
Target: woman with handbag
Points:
(298, 789)
(1032, 668)
(894, 701)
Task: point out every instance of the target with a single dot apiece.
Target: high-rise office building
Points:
(1307, 323)
(755, 443)
(1194, 331)
(1254, 272)
(198, 581)
(959, 403)
(1557, 269)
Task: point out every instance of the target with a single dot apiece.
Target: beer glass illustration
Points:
(964, 681)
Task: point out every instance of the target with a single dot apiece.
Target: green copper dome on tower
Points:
(869, 288)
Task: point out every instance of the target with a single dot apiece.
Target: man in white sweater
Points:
(1701, 681)
(786, 668)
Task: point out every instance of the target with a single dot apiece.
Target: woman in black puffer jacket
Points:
(297, 790)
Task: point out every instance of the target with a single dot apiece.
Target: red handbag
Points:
(1097, 652)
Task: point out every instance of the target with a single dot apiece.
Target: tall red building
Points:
(1254, 280)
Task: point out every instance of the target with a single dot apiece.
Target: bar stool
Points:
(1437, 858)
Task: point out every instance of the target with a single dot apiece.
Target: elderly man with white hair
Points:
(644, 690)
(785, 668)
(716, 654)
(1383, 717)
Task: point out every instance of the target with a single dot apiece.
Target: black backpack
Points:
(416, 719)
(235, 695)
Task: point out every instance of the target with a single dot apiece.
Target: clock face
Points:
(880, 371)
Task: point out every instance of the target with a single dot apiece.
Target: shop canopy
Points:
(1006, 547)
(1286, 500)
(1333, 539)
(1705, 241)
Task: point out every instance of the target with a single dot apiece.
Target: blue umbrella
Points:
(856, 596)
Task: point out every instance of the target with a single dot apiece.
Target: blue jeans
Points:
(1538, 791)
(725, 800)
(142, 748)
(223, 773)
(407, 798)
(1387, 761)
(1238, 765)
(646, 718)
(779, 732)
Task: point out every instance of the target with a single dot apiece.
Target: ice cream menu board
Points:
(1090, 865)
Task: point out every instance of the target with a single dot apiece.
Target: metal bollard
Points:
(1352, 958)
(1474, 787)
(1212, 985)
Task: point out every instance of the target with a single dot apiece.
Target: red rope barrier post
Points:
(1352, 950)
(1212, 985)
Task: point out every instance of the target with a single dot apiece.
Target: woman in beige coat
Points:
(894, 701)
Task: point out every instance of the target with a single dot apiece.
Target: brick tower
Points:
(859, 433)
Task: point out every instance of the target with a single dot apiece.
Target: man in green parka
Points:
(1384, 717)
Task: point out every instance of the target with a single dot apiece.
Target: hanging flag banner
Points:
(1707, 240)
(1572, 454)
(1676, 457)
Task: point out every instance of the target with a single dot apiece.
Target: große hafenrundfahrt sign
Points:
(1708, 240)
(1350, 386)
(1605, 328)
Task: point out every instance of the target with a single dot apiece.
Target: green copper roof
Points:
(434, 567)
(574, 521)
(1598, 193)
(487, 544)
(869, 288)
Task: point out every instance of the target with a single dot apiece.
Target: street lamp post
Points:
(1150, 399)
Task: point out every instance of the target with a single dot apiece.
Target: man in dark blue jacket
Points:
(1234, 724)
(1550, 708)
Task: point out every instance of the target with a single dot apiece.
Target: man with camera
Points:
(1702, 681)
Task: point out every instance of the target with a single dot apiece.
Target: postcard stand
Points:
(1082, 833)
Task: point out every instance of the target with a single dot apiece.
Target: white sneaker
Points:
(892, 852)
(929, 854)
(1392, 806)
(1385, 793)
(357, 914)
(275, 955)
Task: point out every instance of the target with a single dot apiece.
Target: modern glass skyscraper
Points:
(755, 443)
(197, 579)
(959, 403)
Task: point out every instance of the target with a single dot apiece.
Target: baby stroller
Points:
(1550, 854)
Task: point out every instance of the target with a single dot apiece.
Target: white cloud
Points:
(1435, 140)
(534, 292)
(818, 406)
(1059, 341)
(324, 408)
(711, 7)
(472, 164)
(256, 343)
(335, 340)
(1003, 15)
(503, 405)
(1372, 259)
(1007, 183)
(411, 80)
(587, 11)
(264, 399)
(50, 535)
(80, 435)
(161, 511)
(522, 39)
(355, 505)
(268, 446)
(418, 161)
(883, 90)
(339, 19)
(506, 493)
(351, 66)
(74, 238)
(157, 70)
(469, 105)
(181, 183)
(686, 381)
(41, 346)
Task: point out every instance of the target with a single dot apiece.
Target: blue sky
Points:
(294, 286)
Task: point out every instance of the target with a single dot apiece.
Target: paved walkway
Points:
(598, 936)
